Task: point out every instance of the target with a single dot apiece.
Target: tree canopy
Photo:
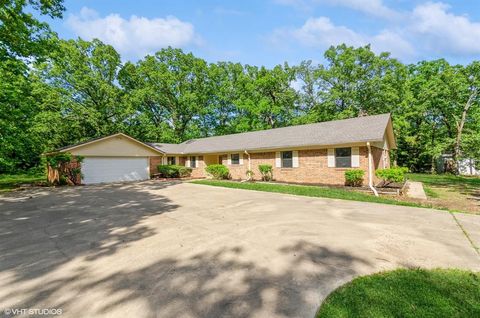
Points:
(57, 92)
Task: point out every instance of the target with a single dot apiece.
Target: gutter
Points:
(370, 174)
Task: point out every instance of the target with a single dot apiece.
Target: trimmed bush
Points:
(218, 171)
(354, 177)
(174, 171)
(266, 171)
(392, 174)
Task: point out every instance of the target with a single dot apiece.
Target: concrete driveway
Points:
(156, 249)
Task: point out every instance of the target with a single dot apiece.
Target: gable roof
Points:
(354, 130)
(168, 148)
(99, 139)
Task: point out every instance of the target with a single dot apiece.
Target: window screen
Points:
(287, 161)
(193, 162)
(235, 159)
(171, 160)
(343, 157)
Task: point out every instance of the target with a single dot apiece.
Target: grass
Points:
(430, 192)
(309, 191)
(407, 293)
(457, 193)
(9, 182)
(447, 180)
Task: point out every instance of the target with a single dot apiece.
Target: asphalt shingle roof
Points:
(360, 129)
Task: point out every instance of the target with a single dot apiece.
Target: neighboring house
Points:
(314, 153)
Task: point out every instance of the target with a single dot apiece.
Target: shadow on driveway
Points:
(53, 247)
(40, 233)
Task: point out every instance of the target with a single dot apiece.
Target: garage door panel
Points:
(114, 169)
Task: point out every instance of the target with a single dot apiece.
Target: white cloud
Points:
(322, 33)
(444, 32)
(430, 29)
(136, 36)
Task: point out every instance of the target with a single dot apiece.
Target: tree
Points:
(266, 98)
(471, 75)
(84, 77)
(22, 38)
(21, 34)
(170, 90)
(222, 111)
(17, 109)
(355, 82)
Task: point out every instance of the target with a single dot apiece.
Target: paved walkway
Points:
(415, 190)
(156, 249)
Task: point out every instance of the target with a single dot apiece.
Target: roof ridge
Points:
(277, 128)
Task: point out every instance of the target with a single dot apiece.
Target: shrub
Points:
(218, 171)
(249, 174)
(354, 177)
(392, 174)
(174, 171)
(266, 171)
(64, 168)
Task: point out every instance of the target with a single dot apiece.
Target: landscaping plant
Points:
(174, 171)
(250, 175)
(354, 177)
(218, 171)
(64, 168)
(392, 174)
(266, 172)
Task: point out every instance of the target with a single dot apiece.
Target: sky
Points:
(272, 32)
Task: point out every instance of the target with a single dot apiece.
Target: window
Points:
(343, 157)
(193, 162)
(235, 158)
(287, 159)
(171, 161)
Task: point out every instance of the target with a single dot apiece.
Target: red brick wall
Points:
(313, 167)
(154, 162)
(378, 155)
(199, 171)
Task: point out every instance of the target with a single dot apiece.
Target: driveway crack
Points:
(476, 248)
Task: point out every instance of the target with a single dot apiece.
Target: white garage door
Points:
(114, 169)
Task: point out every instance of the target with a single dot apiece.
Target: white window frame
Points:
(194, 162)
(349, 166)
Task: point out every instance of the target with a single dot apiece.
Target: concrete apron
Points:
(415, 190)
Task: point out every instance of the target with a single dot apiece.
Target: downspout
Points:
(370, 172)
(249, 165)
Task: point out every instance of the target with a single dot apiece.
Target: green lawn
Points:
(446, 180)
(9, 182)
(407, 293)
(457, 193)
(309, 191)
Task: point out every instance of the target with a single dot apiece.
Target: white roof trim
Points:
(112, 136)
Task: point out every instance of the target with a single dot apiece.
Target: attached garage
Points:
(115, 158)
(114, 169)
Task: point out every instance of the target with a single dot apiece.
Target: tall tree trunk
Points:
(460, 125)
(433, 159)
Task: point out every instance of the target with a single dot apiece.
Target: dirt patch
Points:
(454, 200)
